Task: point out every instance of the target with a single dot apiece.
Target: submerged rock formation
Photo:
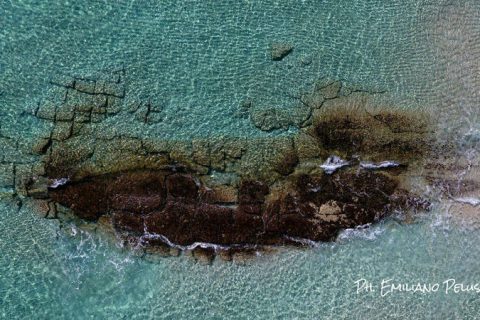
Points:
(228, 192)
(173, 203)
(279, 50)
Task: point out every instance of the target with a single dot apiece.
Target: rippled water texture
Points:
(200, 61)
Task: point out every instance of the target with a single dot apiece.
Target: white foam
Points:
(366, 231)
(468, 200)
(333, 163)
(58, 182)
(303, 241)
(379, 165)
(194, 245)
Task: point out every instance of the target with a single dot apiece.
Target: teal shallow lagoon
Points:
(202, 60)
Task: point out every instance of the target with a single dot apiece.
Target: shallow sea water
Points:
(202, 60)
(52, 274)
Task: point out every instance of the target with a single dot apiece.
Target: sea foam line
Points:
(194, 245)
(380, 165)
(333, 163)
(468, 200)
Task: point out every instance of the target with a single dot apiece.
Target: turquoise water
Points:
(198, 56)
(73, 274)
(200, 60)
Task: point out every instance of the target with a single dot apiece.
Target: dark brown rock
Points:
(216, 223)
(140, 192)
(165, 204)
(88, 199)
(128, 222)
(182, 186)
(251, 192)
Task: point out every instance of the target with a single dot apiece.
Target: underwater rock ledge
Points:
(229, 192)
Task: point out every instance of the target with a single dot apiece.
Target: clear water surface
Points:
(202, 59)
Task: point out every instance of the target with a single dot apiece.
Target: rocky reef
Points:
(178, 206)
(279, 50)
(349, 164)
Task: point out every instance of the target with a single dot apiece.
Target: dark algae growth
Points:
(182, 209)
(348, 165)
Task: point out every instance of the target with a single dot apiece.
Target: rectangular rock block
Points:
(65, 113)
(87, 86)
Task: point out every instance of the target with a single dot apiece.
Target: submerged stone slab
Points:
(279, 50)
